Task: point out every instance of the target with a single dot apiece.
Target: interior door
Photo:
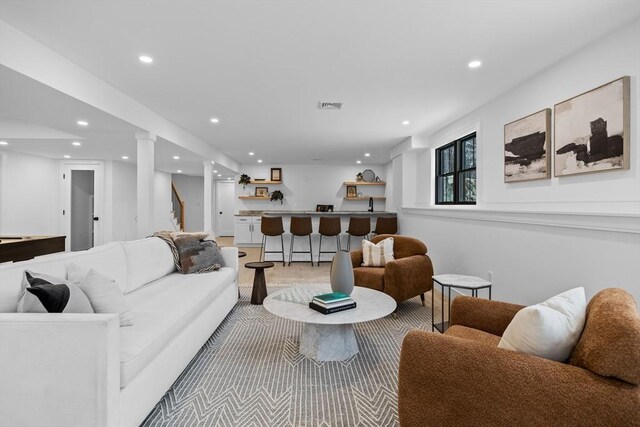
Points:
(82, 209)
(225, 204)
(82, 201)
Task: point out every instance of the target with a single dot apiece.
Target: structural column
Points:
(208, 210)
(145, 183)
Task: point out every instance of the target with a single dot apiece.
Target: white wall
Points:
(121, 200)
(30, 197)
(534, 254)
(305, 186)
(191, 190)
(28, 194)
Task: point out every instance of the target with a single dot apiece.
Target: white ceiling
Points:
(262, 66)
(38, 120)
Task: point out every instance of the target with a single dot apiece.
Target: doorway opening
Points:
(82, 189)
(82, 210)
(224, 206)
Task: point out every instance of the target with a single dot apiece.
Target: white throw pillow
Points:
(377, 255)
(104, 293)
(550, 329)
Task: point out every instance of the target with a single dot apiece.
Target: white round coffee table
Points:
(328, 337)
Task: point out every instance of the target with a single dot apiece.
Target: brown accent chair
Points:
(462, 378)
(408, 276)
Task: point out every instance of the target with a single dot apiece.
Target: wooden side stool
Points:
(259, 292)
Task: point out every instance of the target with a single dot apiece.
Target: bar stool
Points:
(359, 226)
(329, 226)
(386, 225)
(300, 226)
(271, 226)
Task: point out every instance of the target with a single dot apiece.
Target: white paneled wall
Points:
(531, 261)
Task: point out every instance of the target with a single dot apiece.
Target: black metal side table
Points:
(456, 281)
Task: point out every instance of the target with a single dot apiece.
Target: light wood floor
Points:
(299, 273)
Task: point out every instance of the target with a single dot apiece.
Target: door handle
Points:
(95, 218)
(220, 213)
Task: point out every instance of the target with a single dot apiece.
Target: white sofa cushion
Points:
(162, 309)
(103, 292)
(11, 278)
(46, 294)
(108, 260)
(147, 260)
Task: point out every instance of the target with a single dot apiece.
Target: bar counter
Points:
(247, 231)
(314, 213)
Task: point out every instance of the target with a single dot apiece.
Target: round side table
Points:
(259, 292)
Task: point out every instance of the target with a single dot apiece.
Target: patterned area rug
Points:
(250, 373)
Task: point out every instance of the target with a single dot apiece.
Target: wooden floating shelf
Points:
(265, 182)
(364, 183)
(254, 198)
(365, 198)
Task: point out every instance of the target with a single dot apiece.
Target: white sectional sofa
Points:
(85, 370)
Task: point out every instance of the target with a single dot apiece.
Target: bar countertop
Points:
(314, 213)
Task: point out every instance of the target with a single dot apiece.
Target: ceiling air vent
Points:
(329, 105)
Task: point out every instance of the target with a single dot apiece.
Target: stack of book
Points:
(332, 303)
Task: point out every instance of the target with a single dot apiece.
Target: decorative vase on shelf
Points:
(342, 273)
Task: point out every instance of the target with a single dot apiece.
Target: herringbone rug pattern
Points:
(250, 373)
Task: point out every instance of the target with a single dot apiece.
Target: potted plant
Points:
(359, 177)
(244, 180)
(277, 195)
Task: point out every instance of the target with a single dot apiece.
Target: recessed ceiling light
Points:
(76, 143)
(4, 143)
(475, 64)
(219, 175)
(406, 122)
(212, 162)
(66, 156)
(125, 157)
(176, 157)
(82, 123)
(146, 59)
(215, 171)
(367, 154)
(259, 160)
(251, 153)
(229, 179)
(358, 161)
(179, 171)
(215, 120)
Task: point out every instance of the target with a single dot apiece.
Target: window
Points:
(456, 172)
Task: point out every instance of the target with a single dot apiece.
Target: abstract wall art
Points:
(526, 147)
(592, 130)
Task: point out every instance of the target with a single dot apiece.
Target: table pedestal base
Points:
(328, 343)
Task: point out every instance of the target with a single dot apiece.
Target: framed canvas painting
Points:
(592, 130)
(526, 147)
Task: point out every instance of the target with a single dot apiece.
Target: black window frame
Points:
(458, 171)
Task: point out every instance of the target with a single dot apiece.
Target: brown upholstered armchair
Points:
(462, 378)
(406, 277)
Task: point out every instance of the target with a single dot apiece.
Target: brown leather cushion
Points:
(369, 277)
(473, 335)
(610, 341)
(403, 246)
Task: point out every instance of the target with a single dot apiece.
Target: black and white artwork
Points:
(592, 130)
(526, 147)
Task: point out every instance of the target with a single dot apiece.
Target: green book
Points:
(332, 297)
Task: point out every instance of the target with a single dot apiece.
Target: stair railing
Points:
(178, 206)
